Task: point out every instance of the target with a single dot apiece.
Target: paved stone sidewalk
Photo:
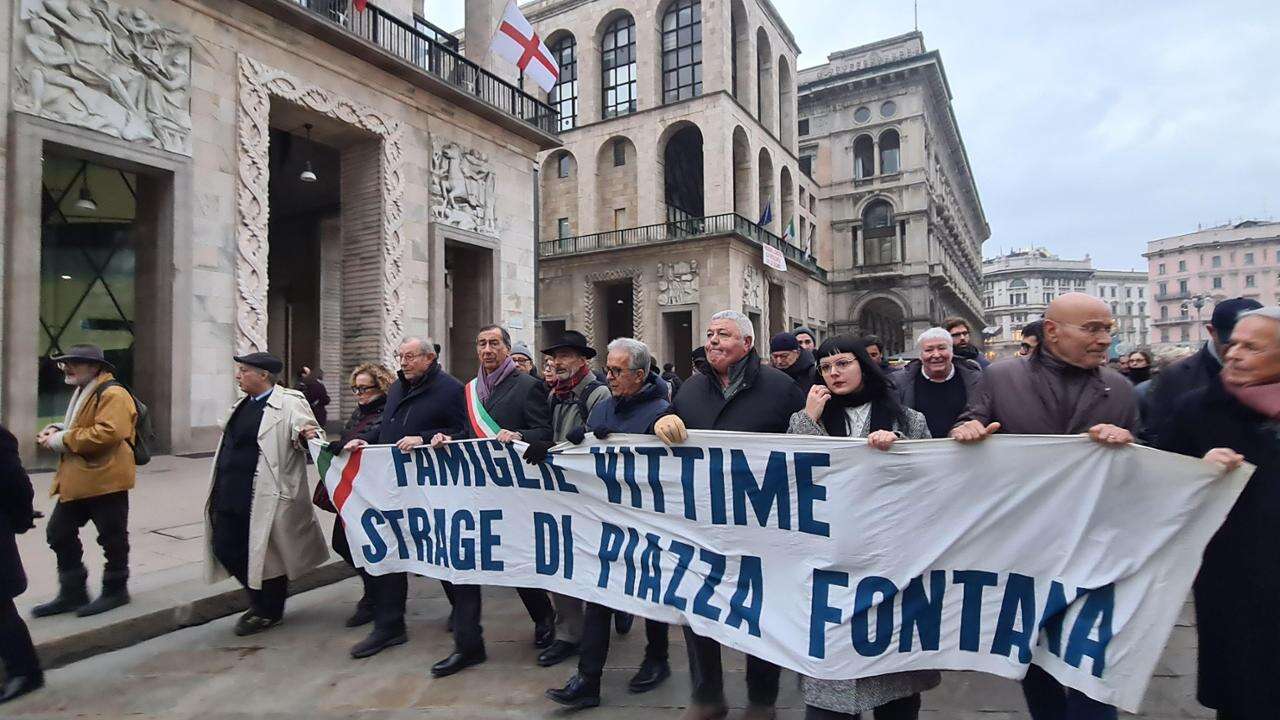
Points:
(301, 670)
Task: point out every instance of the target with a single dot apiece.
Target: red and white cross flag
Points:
(516, 41)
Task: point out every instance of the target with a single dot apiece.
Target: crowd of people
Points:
(1221, 404)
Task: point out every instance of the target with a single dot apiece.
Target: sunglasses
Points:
(362, 389)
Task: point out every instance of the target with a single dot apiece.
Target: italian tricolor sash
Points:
(338, 472)
(482, 426)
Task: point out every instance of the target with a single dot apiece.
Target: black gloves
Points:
(537, 451)
(576, 435)
(602, 433)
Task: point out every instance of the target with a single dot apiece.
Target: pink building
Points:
(1190, 273)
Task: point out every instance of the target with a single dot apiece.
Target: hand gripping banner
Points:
(821, 554)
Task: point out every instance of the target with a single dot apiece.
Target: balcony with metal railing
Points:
(685, 228)
(423, 54)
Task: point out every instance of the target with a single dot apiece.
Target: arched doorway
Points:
(616, 185)
(766, 93)
(559, 195)
(788, 205)
(682, 173)
(766, 189)
(883, 318)
(742, 174)
(786, 104)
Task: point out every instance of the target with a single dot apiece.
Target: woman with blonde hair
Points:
(369, 383)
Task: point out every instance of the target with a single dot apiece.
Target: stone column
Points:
(482, 18)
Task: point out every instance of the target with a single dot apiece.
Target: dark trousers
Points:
(707, 677)
(467, 633)
(596, 630)
(907, 708)
(110, 516)
(386, 594)
(16, 651)
(231, 548)
(1047, 699)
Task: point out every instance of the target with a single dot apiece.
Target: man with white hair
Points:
(1235, 418)
(937, 384)
(734, 392)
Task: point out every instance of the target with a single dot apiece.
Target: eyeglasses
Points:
(1026, 347)
(960, 334)
(406, 357)
(616, 371)
(841, 365)
(362, 389)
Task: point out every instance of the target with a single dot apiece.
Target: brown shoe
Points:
(758, 712)
(703, 711)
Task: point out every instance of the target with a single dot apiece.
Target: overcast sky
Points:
(1093, 126)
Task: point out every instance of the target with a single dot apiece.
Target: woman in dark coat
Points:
(1237, 593)
(21, 666)
(369, 383)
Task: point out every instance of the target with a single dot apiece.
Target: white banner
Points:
(821, 554)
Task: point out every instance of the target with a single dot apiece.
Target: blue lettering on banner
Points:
(442, 545)
(426, 468)
(517, 468)
(453, 461)
(770, 494)
(1019, 602)
(562, 484)
(922, 613)
(864, 602)
(716, 481)
(808, 492)
(1096, 615)
(611, 539)
(499, 472)
(393, 518)
(629, 475)
(419, 532)
(629, 557)
(566, 533)
(607, 471)
(688, 455)
(702, 601)
(745, 604)
(1054, 614)
(655, 455)
(477, 467)
(971, 607)
(376, 549)
(650, 585)
(821, 611)
(489, 540)
(546, 540)
(462, 549)
(684, 555)
(398, 461)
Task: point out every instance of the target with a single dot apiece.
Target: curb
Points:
(133, 630)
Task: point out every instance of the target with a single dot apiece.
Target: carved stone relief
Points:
(752, 288)
(637, 300)
(258, 85)
(98, 65)
(463, 185)
(678, 282)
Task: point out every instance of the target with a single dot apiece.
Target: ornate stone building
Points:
(901, 215)
(678, 119)
(187, 179)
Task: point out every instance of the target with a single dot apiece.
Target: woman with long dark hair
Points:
(852, 397)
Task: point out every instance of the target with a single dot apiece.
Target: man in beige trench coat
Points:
(260, 525)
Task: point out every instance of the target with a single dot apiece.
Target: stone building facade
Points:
(678, 119)
(1190, 273)
(1018, 286)
(899, 205)
(188, 179)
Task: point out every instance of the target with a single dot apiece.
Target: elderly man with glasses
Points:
(422, 402)
(1063, 388)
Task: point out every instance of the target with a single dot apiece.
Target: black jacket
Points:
(635, 414)
(435, 404)
(1170, 385)
(1239, 581)
(673, 381)
(16, 515)
(765, 402)
(519, 404)
(364, 423)
(804, 371)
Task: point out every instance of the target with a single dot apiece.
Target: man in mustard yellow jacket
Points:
(95, 473)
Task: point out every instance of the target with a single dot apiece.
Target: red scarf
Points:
(1263, 399)
(564, 388)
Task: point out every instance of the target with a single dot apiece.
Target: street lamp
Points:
(1198, 302)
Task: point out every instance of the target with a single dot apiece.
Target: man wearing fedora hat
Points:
(260, 525)
(574, 394)
(95, 472)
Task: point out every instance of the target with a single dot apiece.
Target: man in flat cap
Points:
(259, 520)
(95, 473)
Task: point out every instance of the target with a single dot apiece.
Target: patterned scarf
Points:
(1263, 399)
(494, 379)
(563, 389)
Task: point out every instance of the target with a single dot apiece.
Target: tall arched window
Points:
(879, 241)
(564, 96)
(618, 67)
(890, 153)
(864, 157)
(682, 51)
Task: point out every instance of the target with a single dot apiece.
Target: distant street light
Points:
(1198, 302)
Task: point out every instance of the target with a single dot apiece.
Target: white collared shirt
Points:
(945, 379)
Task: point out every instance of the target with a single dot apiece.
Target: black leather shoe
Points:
(622, 622)
(16, 687)
(544, 633)
(110, 599)
(73, 594)
(250, 624)
(559, 651)
(456, 662)
(362, 616)
(649, 676)
(377, 642)
(578, 693)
